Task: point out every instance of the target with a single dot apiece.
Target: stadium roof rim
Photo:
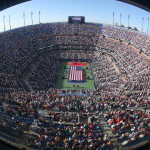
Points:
(143, 4)
(4, 4)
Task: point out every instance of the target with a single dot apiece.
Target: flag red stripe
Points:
(76, 75)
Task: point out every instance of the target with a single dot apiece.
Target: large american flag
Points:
(75, 73)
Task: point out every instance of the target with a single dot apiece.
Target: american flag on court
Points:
(75, 73)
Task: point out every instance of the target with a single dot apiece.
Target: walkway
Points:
(28, 85)
(109, 133)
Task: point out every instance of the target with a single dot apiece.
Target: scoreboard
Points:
(76, 19)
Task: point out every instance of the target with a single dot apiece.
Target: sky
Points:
(95, 11)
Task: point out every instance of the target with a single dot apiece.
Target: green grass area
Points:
(62, 83)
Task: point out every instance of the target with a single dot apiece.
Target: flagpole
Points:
(128, 20)
(113, 18)
(9, 22)
(24, 18)
(148, 26)
(39, 17)
(4, 21)
(32, 17)
(120, 18)
(142, 23)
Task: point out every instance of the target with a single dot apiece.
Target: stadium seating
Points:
(31, 108)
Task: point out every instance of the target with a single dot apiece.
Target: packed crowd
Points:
(93, 102)
(128, 125)
(23, 108)
(43, 70)
(136, 65)
(24, 66)
(75, 40)
(134, 61)
(138, 40)
(20, 46)
(77, 54)
(106, 76)
(7, 83)
(142, 84)
(76, 137)
(15, 118)
(32, 38)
